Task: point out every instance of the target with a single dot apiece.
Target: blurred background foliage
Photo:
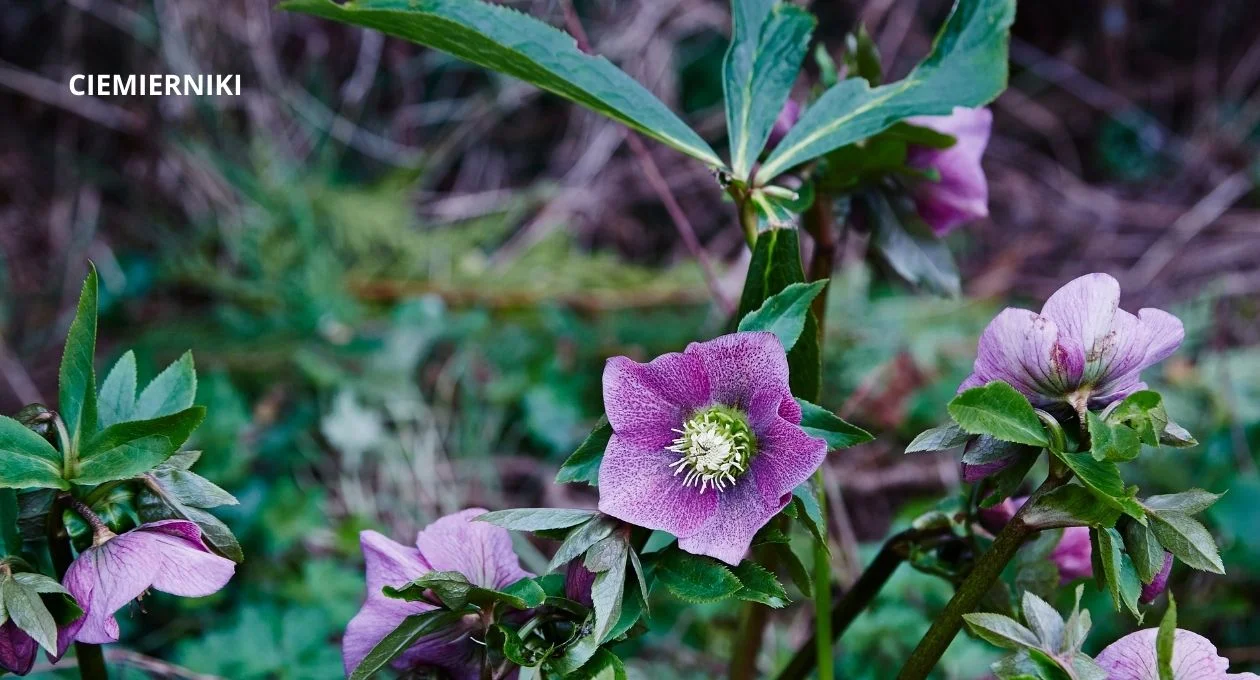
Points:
(401, 277)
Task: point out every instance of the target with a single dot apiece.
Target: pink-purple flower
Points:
(481, 552)
(1081, 350)
(706, 444)
(962, 194)
(17, 649)
(169, 556)
(1133, 657)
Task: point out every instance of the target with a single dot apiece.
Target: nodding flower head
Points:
(1081, 350)
(961, 193)
(706, 444)
(1194, 657)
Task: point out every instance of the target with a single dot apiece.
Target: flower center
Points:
(714, 448)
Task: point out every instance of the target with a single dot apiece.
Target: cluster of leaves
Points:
(114, 450)
(1129, 534)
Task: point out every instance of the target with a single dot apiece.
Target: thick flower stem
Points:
(90, 657)
(987, 569)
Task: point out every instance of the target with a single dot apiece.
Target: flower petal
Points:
(481, 551)
(1084, 310)
(1165, 332)
(741, 512)
(389, 563)
(1025, 349)
(740, 365)
(1133, 657)
(1073, 554)
(188, 568)
(379, 616)
(17, 649)
(785, 456)
(1156, 587)
(648, 401)
(105, 578)
(962, 193)
(636, 485)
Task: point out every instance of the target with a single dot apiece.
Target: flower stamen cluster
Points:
(715, 446)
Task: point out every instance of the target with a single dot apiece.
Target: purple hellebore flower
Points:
(706, 444)
(1071, 555)
(1133, 657)
(788, 115)
(1159, 584)
(480, 551)
(1082, 349)
(169, 556)
(17, 649)
(962, 194)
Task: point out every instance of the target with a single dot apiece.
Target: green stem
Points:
(822, 593)
(91, 658)
(987, 569)
(69, 457)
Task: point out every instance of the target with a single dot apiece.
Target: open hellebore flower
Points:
(481, 552)
(1081, 350)
(1133, 657)
(706, 443)
(1071, 555)
(168, 556)
(962, 194)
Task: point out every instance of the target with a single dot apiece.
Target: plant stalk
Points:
(822, 592)
(987, 569)
(91, 659)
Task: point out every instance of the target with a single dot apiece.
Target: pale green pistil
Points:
(714, 448)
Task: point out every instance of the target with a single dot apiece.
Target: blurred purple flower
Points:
(707, 443)
(1159, 584)
(168, 556)
(962, 193)
(481, 552)
(1082, 349)
(578, 581)
(1071, 555)
(17, 649)
(788, 115)
(1133, 657)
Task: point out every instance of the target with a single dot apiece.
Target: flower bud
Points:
(578, 581)
(1159, 584)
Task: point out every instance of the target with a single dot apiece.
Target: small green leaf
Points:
(1002, 631)
(581, 538)
(537, 519)
(77, 377)
(768, 44)
(117, 401)
(402, 638)
(1177, 437)
(1118, 571)
(818, 422)
(173, 390)
(191, 488)
(583, 464)
(1190, 502)
(1165, 639)
(759, 585)
(801, 576)
(784, 313)
(525, 592)
(904, 242)
(775, 265)
(809, 513)
(1187, 540)
(1044, 622)
(26, 459)
(1144, 548)
(126, 450)
(1113, 442)
(967, 67)
(1144, 412)
(695, 578)
(1103, 478)
(507, 41)
(27, 611)
(999, 411)
(603, 665)
(1069, 506)
(943, 438)
(608, 560)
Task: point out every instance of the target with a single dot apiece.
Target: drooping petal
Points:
(1073, 555)
(1156, 587)
(17, 649)
(481, 551)
(786, 456)
(961, 194)
(379, 616)
(636, 485)
(740, 365)
(187, 567)
(1023, 349)
(647, 402)
(1133, 657)
(728, 533)
(389, 563)
(1084, 310)
(1165, 332)
(104, 579)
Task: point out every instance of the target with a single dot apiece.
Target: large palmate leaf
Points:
(776, 264)
(77, 377)
(507, 41)
(967, 67)
(768, 43)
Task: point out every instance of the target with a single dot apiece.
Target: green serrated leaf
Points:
(1103, 478)
(536, 519)
(126, 450)
(603, 665)
(1187, 539)
(768, 44)
(907, 245)
(784, 313)
(999, 411)
(695, 578)
(1144, 412)
(77, 378)
(809, 513)
(1112, 441)
(943, 438)
(1068, 506)
(861, 56)
(608, 560)
(26, 459)
(581, 538)
(27, 611)
(1044, 622)
(153, 504)
(1190, 502)
(173, 390)
(526, 592)
(583, 464)
(1119, 573)
(117, 400)
(775, 265)
(507, 41)
(1144, 549)
(1002, 631)
(402, 638)
(191, 488)
(819, 422)
(966, 67)
(759, 585)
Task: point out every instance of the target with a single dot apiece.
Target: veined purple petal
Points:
(578, 581)
(740, 365)
(1159, 584)
(646, 402)
(796, 455)
(481, 551)
(741, 512)
(1133, 657)
(1023, 349)
(636, 485)
(962, 193)
(17, 649)
(1072, 555)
